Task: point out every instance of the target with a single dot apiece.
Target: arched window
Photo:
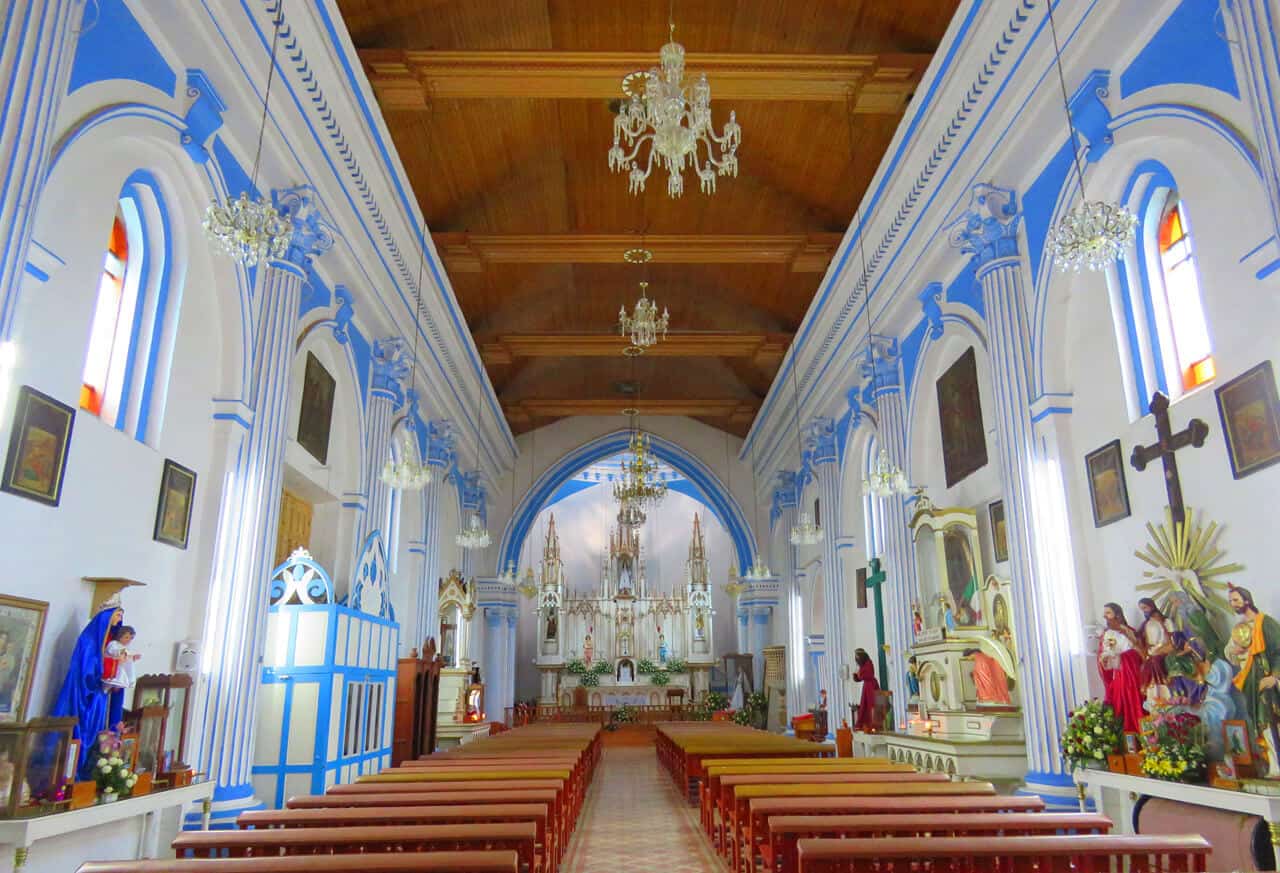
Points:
(109, 335)
(1188, 354)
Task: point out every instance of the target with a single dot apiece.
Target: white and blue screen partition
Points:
(328, 679)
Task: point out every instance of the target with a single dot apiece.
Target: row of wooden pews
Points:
(506, 803)
(786, 813)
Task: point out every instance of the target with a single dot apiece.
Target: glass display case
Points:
(161, 702)
(37, 764)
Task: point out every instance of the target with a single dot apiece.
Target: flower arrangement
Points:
(601, 668)
(660, 677)
(589, 680)
(113, 777)
(676, 666)
(703, 710)
(624, 714)
(575, 666)
(644, 667)
(1174, 746)
(1093, 732)
(717, 701)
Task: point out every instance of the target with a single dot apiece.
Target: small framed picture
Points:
(1225, 769)
(173, 506)
(1235, 742)
(1250, 413)
(1132, 742)
(21, 628)
(999, 531)
(73, 762)
(129, 750)
(37, 459)
(1108, 491)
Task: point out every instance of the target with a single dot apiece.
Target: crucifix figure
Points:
(873, 577)
(1167, 442)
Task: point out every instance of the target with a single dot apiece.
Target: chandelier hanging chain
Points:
(805, 531)
(266, 95)
(1066, 101)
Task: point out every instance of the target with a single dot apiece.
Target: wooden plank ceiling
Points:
(501, 113)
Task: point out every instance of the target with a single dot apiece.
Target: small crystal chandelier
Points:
(245, 230)
(804, 532)
(734, 586)
(630, 514)
(475, 535)
(408, 473)
(528, 587)
(510, 576)
(673, 119)
(886, 479)
(758, 570)
(645, 325)
(1095, 233)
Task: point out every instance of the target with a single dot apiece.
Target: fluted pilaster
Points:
(784, 512)
(437, 448)
(386, 394)
(820, 445)
(1252, 37)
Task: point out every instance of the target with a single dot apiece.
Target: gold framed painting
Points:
(1108, 491)
(21, 629)
(1250, 413)
(999, 531)
(173, 506)
(37, 458)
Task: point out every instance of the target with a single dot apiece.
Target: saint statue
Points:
(553, 623)
(739, 692)
(913, 677)
(1120, 663)
(1187, 668)
(866, 674)
(1154, 634)
(917, 620)
(948, 614)
(1255, 648)
(624, 643)
(588, 647)
(84, 695)
(988, 677)
(662, 647)
(699, 625)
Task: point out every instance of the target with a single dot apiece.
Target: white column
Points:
(1044, 582)
(509, 659)
(494, 647)
(760, 634)
(1252, 27)
(437, 447)
(820, 444)
(386, 394)
(784, 502)
(234, 634)
(35, 61)
(744, 638)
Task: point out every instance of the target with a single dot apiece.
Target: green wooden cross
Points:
(875, 581)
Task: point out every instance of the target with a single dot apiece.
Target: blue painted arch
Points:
(710, 490)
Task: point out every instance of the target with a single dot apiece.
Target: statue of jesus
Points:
(588, 648)
(1255, 647)
(988, 677)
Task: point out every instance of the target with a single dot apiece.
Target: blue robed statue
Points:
(95, 706)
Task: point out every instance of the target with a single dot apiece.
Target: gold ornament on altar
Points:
(1184, 559)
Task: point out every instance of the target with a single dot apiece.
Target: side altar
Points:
(624, 643)
(965, 706)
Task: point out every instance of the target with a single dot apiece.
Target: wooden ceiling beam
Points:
(733, 411)
(472, 252)
(764, 349)
(404, 80)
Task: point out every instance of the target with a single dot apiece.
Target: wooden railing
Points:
(602, 715)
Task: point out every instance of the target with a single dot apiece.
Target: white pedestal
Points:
(1004, 760)
(62, 836)
(867, 745)
(450, 734)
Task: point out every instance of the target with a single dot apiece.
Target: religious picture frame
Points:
(129, 750)
(73, 760)
(1249, 409)
(174, 505)
(1132, 742)
(21, 629)
(37, 459)
(999, 531)
(1235, 742)
(1108, 490)
(1225, 769)
(315, 415)
(964, 439)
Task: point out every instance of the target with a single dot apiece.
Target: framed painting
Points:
(173, 506)
(964, 442)
(316, 416)
(1250, 413)
(1108, 491)
(1235, 742)
(999, 531)
(21, 628)
(37, 459)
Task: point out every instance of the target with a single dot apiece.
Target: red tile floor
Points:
(633, 821)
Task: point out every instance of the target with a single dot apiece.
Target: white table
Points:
(21, 833)
(1116, 794)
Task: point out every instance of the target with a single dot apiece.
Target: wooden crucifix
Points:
(875, 581)
(1167, 442)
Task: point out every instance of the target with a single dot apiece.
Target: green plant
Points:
(660, 677)
(575, 666)
(1175, 747)
(113, 777)
(624, 714)
(601, 668)
(675, 666)
(717, 701)
(589, 680)
(1093, 732)
(743, 717)
(644, 667)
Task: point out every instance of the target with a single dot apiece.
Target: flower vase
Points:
(108, 798)
(1115, 763)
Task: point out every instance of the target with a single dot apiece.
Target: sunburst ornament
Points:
(1185, 558)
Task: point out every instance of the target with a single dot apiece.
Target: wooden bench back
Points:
(410, 798)
(392, 815)
(425, 787)
(436, 862)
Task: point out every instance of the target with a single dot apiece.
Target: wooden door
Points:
(295, 525)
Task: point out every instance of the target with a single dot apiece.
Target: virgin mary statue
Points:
(94, 706)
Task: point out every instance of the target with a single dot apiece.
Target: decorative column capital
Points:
(879, 368)
(439, 443)
(343, 314)
(313, 230)
(931, 303)
(471, 490)
(391, 365)
(988, 229)
(820, 440)
(785, 495)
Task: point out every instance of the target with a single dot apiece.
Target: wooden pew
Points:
(482, 813)
(437, 862)
(573, 799)
(1138, 853)
(518, 837)
(743, 840)
(785, 831)
(514, 767)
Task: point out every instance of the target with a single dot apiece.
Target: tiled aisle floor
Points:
(634, 822)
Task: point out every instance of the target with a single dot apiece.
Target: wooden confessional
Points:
(417, 700)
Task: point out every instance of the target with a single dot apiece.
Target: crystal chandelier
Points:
(758, 570)
(1095, 233)
(645, 325)
(734, 586)
(639, 485)
(630, 514)
(528, 587)
(672, 119)
(804, 532)
(886, 479)
(246, 230)
(475, 535)
(510, 576)
(408, 473)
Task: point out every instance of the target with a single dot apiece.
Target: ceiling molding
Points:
(764, 349)
(473, 252)
(735, 411)
(402, 80)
